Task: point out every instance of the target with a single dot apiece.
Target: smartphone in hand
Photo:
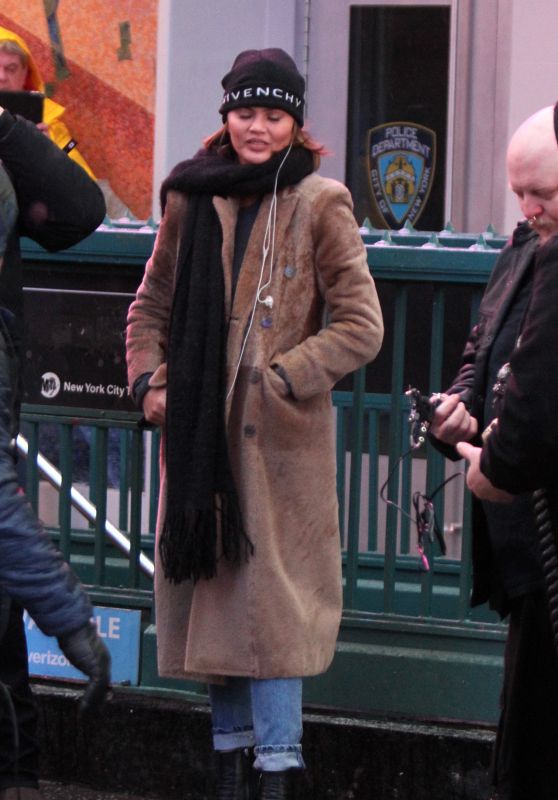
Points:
(26, 104)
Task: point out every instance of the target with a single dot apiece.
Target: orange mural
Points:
(98, 61)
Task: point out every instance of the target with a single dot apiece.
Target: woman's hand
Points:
(452, 423)
(155, 405)
(477, 481)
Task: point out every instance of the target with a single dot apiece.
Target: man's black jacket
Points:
(521, 454)
(58, 203)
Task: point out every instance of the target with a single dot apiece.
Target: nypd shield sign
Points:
(401, 162)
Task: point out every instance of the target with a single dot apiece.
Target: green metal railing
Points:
(399, 620)
(415, 624)
(430, 265)
(112, 550)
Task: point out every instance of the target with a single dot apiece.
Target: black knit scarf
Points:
(201, 495)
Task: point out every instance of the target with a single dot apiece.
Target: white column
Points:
(533, 75)
(196, 45)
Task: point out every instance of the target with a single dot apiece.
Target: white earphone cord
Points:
(268, 244)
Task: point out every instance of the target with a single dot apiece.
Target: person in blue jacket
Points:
(48, 197)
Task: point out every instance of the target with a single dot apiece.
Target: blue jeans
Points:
(265, 713)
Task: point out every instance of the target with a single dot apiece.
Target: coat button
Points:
(249, 431)
(289, 271)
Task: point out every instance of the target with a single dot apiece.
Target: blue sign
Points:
(401, 162)
(120, 630)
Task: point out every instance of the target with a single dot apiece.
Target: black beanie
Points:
(267, 78)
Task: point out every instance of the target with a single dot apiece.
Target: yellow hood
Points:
(34, 81)
(52, 111)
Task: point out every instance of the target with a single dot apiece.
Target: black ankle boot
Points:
(275, 785)
(234, 771)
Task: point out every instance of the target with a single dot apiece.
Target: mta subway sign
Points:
(401, 161)
(118, 627)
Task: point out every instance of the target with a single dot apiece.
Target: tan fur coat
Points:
(278, 615)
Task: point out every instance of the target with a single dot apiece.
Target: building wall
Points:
(504, 68)
(197, 43)
(107, 85)
(507, 71)
(533, 70)
(136, 116)
(328, 66)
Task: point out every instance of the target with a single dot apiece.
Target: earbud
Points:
(267, 301)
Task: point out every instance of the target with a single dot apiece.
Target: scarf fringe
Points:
(188, 544)
(237, 545)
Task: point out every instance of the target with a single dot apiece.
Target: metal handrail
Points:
(84, 506)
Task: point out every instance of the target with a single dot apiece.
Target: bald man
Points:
(501, 414)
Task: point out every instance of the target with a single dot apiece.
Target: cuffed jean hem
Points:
(278, 757)
(233, 740)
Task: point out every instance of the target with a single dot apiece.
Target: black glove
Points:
(86, 651)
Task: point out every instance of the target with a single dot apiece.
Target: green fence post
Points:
(100, 438)
(135, 508)
(373, 482)
(124, 479)
(435, 461)
(355, 482)
(154, 478)
(340, 444)
(64, 502)
(398, 364)
(31, 469)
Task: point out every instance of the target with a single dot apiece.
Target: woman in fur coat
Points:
(229, 350)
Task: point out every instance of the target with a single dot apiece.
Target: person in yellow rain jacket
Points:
(18, 71)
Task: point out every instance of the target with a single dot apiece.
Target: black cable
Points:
(424, 517)
(422, 410)
(386, 500)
